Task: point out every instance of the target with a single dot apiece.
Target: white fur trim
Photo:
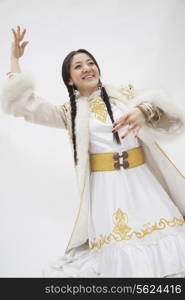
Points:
(173, 124)
(82, 137)
(14, 88)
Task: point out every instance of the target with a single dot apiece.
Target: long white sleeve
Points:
(172, 123)
(170, 126)
(19, 99)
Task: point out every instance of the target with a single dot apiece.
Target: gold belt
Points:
(110, 161)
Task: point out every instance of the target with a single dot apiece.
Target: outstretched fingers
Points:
(127, 131)
(120, 122)
(18, 45)
(130, 128)
(18, 36)
(15, 36)
(24, 44)
(22, 35)
(18, 32)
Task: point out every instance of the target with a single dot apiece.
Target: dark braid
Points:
(105, 98)
(73, 117)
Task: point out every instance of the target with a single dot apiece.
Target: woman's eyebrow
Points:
(78, 62)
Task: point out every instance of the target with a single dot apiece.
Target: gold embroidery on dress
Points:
(120, 220)
(98, 107)
(122, 231)
(128, 90)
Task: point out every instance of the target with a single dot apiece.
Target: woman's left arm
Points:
(156, 112)
(135, 118)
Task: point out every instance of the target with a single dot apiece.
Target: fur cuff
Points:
(13, 90)
(172, 122)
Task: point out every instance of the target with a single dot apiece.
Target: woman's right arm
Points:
(18, 97)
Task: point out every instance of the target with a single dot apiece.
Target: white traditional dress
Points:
(134, 229)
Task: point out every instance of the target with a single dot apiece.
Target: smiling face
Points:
(84, 74)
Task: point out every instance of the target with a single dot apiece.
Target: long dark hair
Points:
(66, 77)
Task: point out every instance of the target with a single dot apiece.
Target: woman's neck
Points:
(87, 93)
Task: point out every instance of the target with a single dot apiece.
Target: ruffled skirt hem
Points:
(164, 258)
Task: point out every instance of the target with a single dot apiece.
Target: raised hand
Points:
(18, 47)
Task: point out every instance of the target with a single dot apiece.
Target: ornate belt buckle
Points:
(118, 164)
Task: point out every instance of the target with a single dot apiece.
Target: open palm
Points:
(18, 47)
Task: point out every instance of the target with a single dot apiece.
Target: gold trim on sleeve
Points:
(64, 111)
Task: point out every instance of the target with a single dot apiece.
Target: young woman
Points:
(130, 218)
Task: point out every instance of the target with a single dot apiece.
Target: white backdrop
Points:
(137, 41)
